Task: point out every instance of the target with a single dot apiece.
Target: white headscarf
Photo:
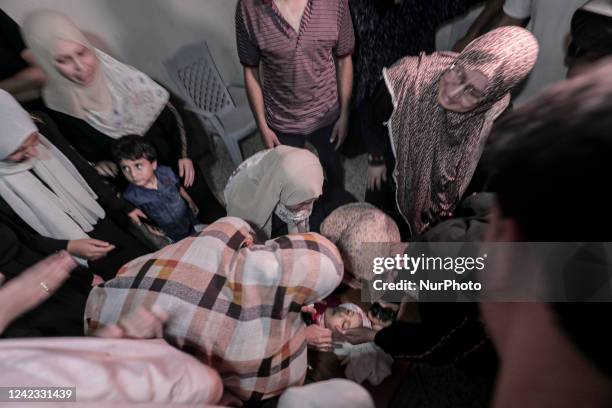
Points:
(47, 192)
(284, 176)
(120, 100)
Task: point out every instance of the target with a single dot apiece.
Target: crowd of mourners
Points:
(125, 274)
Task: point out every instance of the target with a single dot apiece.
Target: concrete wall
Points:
(143, 33)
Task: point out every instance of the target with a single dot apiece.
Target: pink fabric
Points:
(110, 371)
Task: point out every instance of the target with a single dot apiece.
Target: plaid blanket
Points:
(236, 308)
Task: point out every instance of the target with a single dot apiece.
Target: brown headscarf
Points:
(437, 150)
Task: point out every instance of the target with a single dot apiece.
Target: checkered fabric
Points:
(234, 307)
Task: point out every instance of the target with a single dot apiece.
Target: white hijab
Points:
(120, 100)
(271, 180)
(47, 192)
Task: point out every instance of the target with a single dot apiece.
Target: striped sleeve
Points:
(248, 52)
(346, 35)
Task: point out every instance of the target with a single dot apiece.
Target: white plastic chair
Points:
(205, 93)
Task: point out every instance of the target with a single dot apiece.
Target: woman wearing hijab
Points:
(52, 193)
(438, 110)
(241, 301)
(284, 181)
(96, 99)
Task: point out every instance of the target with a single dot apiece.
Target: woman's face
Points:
(75, 62)
(462, 90)
(26, 151)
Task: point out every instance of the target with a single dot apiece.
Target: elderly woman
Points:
(49, 192)
(437, 110)
(237, 303)
(96, 99)
(283, 182)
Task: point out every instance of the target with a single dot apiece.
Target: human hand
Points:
(268, 137)
(376, 176)
(358, 335)
(143, 323)
(340, 131)
(136, 214)
(35, 285)
(193, 207)
(186, 171)
(88, 248)
(107, 169)
(319, 337)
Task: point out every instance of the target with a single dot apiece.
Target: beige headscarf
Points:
(47, 192)
(437, 150)
(285, 175)
(120, 100)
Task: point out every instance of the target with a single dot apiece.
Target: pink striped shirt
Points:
(299, 76)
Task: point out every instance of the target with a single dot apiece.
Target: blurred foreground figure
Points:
(556, 148)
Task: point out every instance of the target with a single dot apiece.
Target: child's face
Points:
(339, 318)
(139, 172)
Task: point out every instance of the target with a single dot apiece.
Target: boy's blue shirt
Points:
(164, 206)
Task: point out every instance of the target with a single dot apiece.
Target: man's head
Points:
(137, 159)
(550, 162)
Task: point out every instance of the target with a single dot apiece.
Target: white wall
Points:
(453, 30)
(143, 33)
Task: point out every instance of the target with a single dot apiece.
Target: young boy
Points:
(156, 190)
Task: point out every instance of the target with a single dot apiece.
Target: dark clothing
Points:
(62, 313)
(373, 113)
(165, 136)
(387, 33)
(11, 46)
(448, 333)
(164, 206)
(107, 229)
(428, 386)
(328, 156)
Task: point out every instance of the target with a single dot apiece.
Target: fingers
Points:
(98, 243)
(334, 135)
(308, 308)
(114, 169)
(107, 169)
(181, 166)
(189, 175)
(275, 141)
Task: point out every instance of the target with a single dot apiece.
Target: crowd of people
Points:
(125, 276)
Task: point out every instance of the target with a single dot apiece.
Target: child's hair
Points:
(133, 147)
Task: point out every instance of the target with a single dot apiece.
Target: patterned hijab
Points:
(437, 150)
(120, 100)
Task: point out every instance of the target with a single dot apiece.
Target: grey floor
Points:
(220, 170)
